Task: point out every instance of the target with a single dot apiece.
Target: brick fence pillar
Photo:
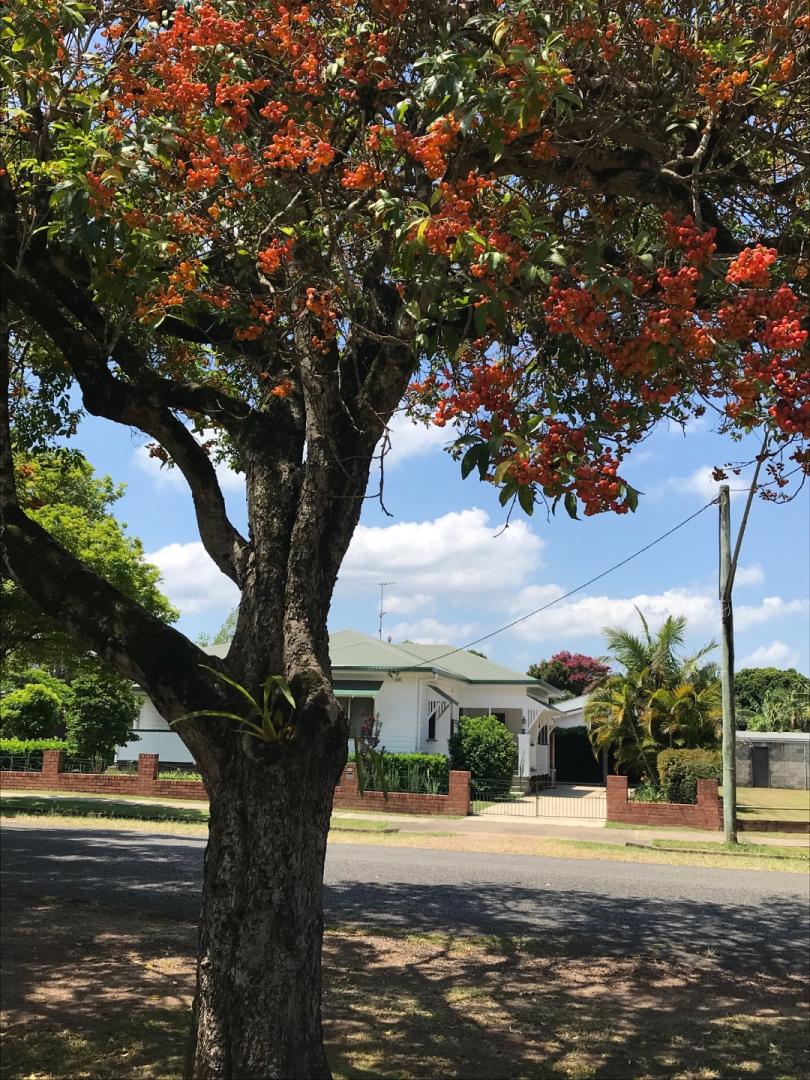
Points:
(348, 781)
(147, 773)
(617, 792)
(52, 762)
(709, 801)
(458, 792)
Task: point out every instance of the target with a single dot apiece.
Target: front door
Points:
(760, 767)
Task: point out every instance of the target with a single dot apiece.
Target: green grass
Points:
(775, 804)
(115, 810)
(762, 851)
(44, 805)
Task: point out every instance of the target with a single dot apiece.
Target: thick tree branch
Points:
(106, 396)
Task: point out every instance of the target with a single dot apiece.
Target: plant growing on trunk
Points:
(250, 230)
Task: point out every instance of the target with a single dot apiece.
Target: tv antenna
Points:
(383, 585)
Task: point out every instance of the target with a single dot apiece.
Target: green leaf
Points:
(232, 682)
(283, 686)
(526, 499)
(470, 460)
(570, 503)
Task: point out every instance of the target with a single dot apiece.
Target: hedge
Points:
(421, 773)
(680, 770)
(29, 746)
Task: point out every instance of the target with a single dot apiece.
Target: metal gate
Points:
(580, 802)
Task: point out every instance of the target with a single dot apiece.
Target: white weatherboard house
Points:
(417, 691)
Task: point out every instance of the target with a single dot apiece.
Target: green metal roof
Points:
(349, 650)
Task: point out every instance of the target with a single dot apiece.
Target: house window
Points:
(360, 711)
(542, 735)
(452, 726)
(432, 727)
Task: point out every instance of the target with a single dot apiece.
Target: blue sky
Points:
(458, 575)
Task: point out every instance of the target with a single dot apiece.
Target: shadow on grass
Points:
(95, 992)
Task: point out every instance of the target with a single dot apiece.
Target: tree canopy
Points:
(571, 672)
(572, 222)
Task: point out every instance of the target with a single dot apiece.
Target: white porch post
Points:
(524, 755)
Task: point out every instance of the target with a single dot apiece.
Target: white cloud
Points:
(586, 616)
(749, 575)
(701, 482)
(172, 479)
(191, 580)
(772, 607)
(777, 654)
(396, 604)
(410, 440)
(432, 632)
(458, 553)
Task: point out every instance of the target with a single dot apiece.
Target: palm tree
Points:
(661, 698)
(614, 715)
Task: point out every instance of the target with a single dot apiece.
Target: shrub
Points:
(484, 747)
(423, 773)
(178, 774)
(648, 792)
(31, 712)
(680, 770)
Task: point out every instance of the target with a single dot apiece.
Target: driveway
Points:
(743, 919)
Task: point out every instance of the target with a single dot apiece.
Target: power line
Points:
(579, 588)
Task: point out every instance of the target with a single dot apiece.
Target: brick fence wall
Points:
(146, 782)
(456, 801)
(707, 813)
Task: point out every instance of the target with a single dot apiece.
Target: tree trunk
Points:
(257, 1011)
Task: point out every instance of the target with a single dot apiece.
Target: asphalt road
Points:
(744, 919)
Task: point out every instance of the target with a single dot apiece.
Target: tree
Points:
(223, 635)
(247, 228)
(61, 493)
(753, 686)
(573, 672)
(483, 746)
(101, 710)
(31, 712)
(660, 700)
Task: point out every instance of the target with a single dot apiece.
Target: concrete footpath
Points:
(475, 825)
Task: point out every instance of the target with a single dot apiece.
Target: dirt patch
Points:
(91, 992)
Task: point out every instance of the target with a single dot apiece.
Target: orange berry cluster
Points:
(752, 266)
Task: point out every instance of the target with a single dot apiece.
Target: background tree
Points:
(100, 712)
(574, 672)
(785, 689)
(659, 700)
(223, 635)
(263, 222)
(60, 492)
(31, 712)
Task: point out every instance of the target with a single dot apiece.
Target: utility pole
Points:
(382, 585)
(728, 568)
(727, 670)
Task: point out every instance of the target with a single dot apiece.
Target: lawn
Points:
(779, 804)
(115, 811)
(95, 992)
